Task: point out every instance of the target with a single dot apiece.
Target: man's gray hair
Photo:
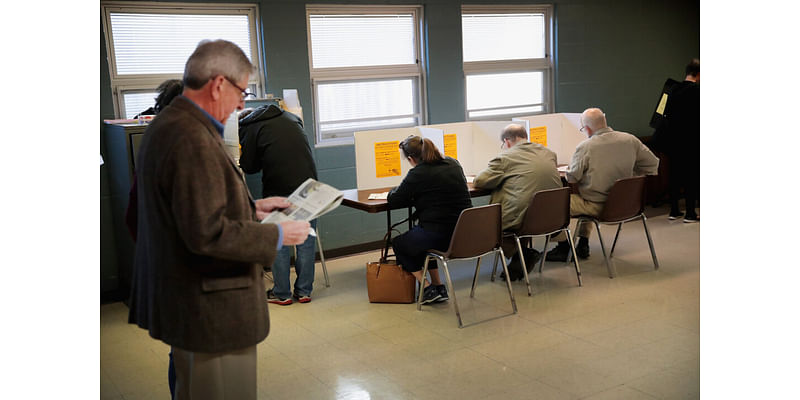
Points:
(212, 58)
(514, 131)
(594, 118)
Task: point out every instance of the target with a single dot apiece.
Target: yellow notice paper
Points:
(539, 135)
(387, 159)
(662, 104)
(451, 145)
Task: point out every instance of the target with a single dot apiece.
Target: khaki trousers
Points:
(215, 376)
(579, 206)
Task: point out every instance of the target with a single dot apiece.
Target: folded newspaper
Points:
(311, 200)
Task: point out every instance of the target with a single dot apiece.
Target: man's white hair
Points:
(594, 118)
(212, 58)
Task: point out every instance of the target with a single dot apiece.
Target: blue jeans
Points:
(304, 266)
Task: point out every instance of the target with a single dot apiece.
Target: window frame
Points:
(120, 84)
(416, 71)
(544, 65)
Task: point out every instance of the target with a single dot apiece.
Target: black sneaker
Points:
(430, 294)
(582, 249)
(443, 293)
(691, 220)
(559, 253)
(271, 298)
(514, 269)
(673, 215)
(532, 257)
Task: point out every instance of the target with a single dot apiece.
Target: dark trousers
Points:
(412, 247)
(684, 174)
(171, 376)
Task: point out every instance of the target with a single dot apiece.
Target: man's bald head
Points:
(593, 119)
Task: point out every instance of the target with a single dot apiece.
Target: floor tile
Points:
(636, 336)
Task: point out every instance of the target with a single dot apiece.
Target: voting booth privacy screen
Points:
(558, 132)
(380, 164)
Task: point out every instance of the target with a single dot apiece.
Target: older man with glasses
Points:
(607, 155)
(523, 169)
(197, 279)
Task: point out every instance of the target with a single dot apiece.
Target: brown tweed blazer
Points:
(197, 283)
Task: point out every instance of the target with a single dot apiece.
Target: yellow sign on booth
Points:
(387, 159)
(451, 145)
(539, 135)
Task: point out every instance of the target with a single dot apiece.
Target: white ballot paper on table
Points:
(311, 200)
(378, 196)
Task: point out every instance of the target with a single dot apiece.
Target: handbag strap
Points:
(387, 241)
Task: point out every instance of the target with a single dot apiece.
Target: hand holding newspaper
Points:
(310, 200)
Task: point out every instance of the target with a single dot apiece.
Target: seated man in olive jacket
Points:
(523, 169)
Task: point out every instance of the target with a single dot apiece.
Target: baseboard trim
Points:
(350, 250)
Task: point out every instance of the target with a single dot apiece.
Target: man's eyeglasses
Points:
(245, 93)
(583, 128)
(505, 143)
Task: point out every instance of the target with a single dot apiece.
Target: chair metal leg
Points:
(575, 238)
(574, 259)
(544, 251)
(422, 284)
(650, 241)
(494, 267)
(508, 281)
(452, 293)
(322, 260)
(524, 266)
(614, 245)
(442, 263)
(475, 277)
(612, 271)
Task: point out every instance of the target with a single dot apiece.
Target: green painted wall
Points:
(611, 54)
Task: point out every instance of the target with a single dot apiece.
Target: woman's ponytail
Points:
(429, 152)
(422, 150)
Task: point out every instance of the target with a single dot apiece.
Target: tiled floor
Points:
(633, 337)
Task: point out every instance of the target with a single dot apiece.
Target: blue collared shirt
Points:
(217, 124)
(221, 130)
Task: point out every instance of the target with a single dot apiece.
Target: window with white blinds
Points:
(361, 40)
(136, 102)
(499, 94)
(149, 43)
(365, 69)
(507, 60)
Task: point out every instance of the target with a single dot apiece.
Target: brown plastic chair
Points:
(625, 203)
(478, 233)
(547, 214)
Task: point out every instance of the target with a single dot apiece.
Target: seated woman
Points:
(437, 189)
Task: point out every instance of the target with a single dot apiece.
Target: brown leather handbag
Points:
(387, 282)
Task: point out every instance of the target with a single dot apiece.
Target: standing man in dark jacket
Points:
(273, 142)
(679, 138)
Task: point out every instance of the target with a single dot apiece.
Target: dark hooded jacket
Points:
(274, 142)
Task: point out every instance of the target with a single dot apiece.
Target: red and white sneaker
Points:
(271, 298)
(302, 299)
